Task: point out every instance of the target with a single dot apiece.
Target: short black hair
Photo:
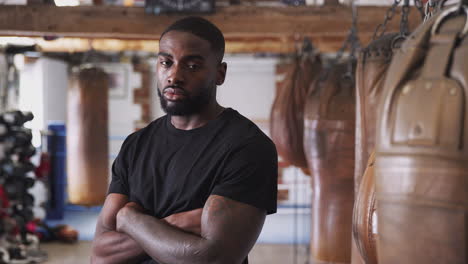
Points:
(201, 28)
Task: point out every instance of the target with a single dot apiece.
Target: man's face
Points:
(187, 73)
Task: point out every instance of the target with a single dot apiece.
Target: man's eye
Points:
(165, 63)
(193, 66)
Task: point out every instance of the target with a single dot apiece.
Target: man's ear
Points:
(221, 74)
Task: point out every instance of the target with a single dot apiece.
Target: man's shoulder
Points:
(146, 131)
(244, 131)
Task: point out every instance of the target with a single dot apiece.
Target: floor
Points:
(261, 253)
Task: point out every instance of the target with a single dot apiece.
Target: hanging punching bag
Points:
(421, 164)
(372, 66)
(329, 128)
(287, 113)
(87, 137)
(364, 215)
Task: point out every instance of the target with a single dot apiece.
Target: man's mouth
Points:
(174, 93)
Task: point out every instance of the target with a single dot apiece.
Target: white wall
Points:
(250, 86)
(43, 91)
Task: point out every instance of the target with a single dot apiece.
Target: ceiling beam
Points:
(267, 29)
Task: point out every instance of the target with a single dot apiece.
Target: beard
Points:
(191, 104)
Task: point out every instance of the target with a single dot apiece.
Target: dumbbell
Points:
(16, 189)
(4, 256)
(25, 152)
(17, 118)
(11, 169)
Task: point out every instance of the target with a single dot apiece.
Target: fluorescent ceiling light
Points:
(67, 2)
(16, 41)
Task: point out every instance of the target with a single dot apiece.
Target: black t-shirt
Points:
(168, 170)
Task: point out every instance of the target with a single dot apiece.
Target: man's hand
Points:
(189, 221)
(125, 214)
(110, 246)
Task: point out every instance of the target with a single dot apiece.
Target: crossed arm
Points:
(124, 234)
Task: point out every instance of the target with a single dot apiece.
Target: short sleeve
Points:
(120, 169)
(250, 175)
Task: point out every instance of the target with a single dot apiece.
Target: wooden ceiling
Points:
(247, 27)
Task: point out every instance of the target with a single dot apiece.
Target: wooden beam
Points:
(260, 29)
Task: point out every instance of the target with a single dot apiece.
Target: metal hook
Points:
(307, 45)
(447, 13)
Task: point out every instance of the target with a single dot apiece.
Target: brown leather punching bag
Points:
(421, 164)
(371, 70)
(287, 113)
(87, 137)
(364, 215)
(329, 128)
(372, 66)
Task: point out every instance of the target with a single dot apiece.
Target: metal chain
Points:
(404, 25)
(388, 16)
(354, 43)
(420, 6)
(429, 9)
(351, 41)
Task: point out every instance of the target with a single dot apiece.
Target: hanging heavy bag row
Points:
(421, 153)
(287, 113)
(329, 128)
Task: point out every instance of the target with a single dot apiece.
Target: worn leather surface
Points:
(364, 215)
(87, 137)
(329, 129)
(421, 164)
(373, 63)
(371, 71)
(287, 113)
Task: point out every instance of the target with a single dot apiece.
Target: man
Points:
(195, 185)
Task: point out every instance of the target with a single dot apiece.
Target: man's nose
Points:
(176, 75)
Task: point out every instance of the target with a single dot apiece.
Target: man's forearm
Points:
(168, 244)
(115, 247)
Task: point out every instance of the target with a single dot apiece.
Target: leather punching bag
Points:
(287, 113)
(372, 66)
(421, 164)
(364, 215)
(371, 70)
(329, 129)
(87, 137)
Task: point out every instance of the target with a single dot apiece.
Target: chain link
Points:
(352, 42)
(420, 6)
(388, 16)
(404, 24)
(430, 9)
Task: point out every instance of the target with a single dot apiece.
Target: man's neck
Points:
(197, 120)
